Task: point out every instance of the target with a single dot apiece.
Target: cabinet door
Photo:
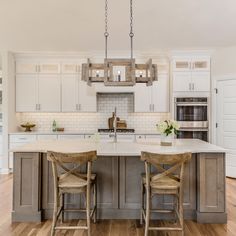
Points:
(160, 94)
(87, 97)
(142, 98)
(201, 81)
(70, 87)
(70, 68)
(211, 187)
(201, 64)
(182, 82)
(182, 64)
(49, 68)
(49, 89)
(26, 67)
(26, 93)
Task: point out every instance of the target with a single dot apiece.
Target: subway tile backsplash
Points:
(90, 122)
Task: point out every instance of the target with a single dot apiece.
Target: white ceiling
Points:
(78, 25)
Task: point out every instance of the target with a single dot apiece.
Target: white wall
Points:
(224, 62)
(9, 115)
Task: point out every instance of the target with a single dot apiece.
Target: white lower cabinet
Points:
(125, 137)
(47, 137)
(70, 136)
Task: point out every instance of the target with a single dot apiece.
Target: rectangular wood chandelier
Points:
(119, 72)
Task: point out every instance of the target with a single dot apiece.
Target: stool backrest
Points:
(171, 165)
(77, 159)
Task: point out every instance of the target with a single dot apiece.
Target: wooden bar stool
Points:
(71, 180)
(168, 181)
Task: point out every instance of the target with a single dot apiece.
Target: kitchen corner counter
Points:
(119, 171)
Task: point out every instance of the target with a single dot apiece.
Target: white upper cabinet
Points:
(160, 94)
(26, 93)
(153, 98)
(37, 67)
(70, 68)
(47, 67)
(142, 98)
(87, 97)
(70, 90)
(201, 81)
(182, 81)
(201, 64)
(182, 64)
(191, 63)
(26, 67)
(49, 93)
(191, 74)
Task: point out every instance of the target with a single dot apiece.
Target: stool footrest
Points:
(166, 228)
(70, 227)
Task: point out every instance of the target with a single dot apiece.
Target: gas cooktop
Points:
(117, 130)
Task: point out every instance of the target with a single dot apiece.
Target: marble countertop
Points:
(119, 148)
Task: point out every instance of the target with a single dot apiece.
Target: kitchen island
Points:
(119, 168)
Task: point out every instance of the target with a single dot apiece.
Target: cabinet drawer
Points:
(153, 137)
(47, 137)
(22, 138)
(71, 136)
(125, 137)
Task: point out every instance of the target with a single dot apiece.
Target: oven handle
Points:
(193, 130)
(192, 104)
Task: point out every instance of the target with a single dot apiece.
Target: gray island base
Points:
(119, 169)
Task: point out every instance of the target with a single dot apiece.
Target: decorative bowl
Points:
(28, 126)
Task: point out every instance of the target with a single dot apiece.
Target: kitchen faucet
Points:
(115, 126)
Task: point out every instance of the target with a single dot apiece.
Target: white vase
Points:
(167, 140)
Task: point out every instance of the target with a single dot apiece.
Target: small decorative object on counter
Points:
(59, 129)
(28, 126)
(54, 126)
(168, 129)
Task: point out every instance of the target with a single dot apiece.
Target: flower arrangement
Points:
(168, 127)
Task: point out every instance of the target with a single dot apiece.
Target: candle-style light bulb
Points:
(119, 75)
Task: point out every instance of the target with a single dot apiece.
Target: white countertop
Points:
(78, 133)
(120, 148)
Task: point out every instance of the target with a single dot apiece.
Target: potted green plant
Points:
(168, 129)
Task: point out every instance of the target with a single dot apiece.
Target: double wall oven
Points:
(192, 115)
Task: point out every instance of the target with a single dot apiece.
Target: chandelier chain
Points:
(106, 34)
(131, 34)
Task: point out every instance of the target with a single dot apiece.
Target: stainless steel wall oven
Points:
(192, 115)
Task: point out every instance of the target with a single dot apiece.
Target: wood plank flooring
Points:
(110, 227)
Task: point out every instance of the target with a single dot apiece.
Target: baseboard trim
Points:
(5, 171)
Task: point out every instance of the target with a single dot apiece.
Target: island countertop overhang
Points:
(119, 148)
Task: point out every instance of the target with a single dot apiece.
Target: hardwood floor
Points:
(110, 227)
